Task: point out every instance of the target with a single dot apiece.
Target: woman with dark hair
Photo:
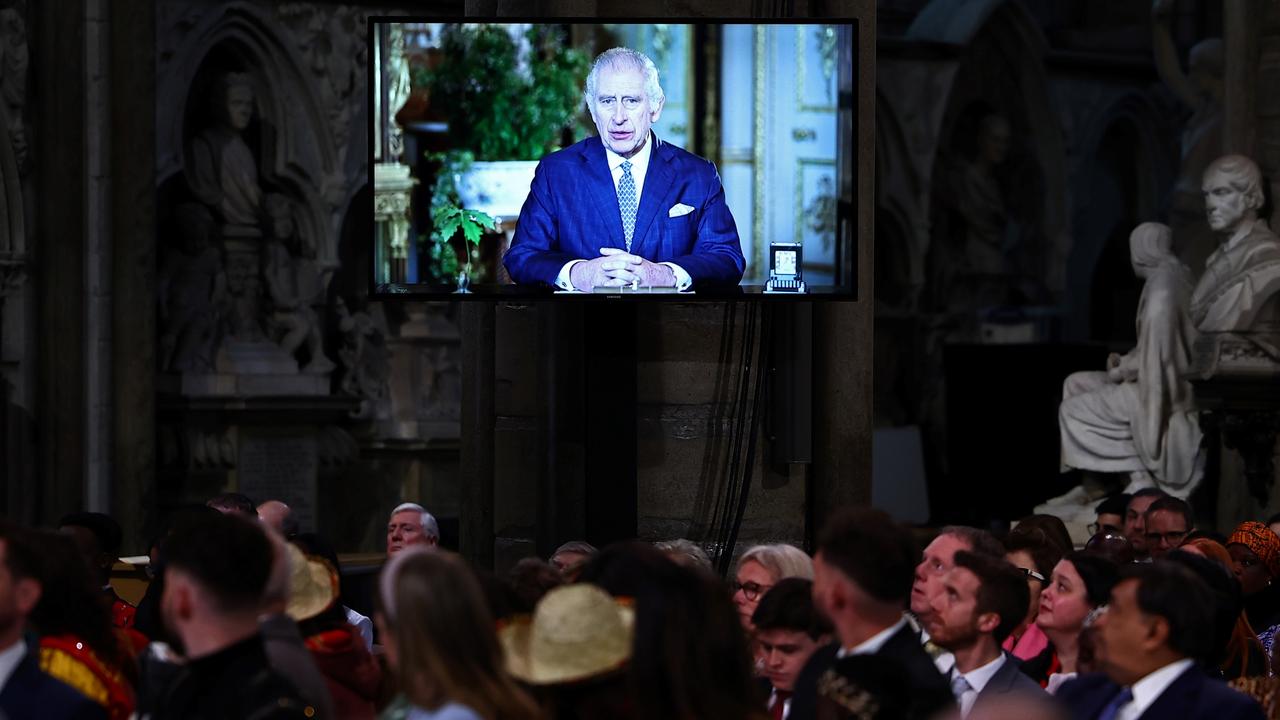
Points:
(690, 659)
(1032, 552)
(78, 644)
(1079, 585)
(441, 642)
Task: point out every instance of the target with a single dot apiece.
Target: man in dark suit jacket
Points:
(862, 577)
(625, 207)
(1159, 620)
(25, 690)
(981, 601)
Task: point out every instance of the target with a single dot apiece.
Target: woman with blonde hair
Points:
(441, 642)
(759, 569)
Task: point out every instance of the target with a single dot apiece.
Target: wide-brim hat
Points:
(313, 585)
(576, 632)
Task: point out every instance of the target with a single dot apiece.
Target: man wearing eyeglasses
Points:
(1168, 522)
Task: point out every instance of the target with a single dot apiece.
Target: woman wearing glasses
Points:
(759, 568)
(1035, 556)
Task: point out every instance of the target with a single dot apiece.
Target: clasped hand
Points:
(619, 268)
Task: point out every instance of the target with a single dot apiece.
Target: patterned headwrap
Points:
(1262, 541)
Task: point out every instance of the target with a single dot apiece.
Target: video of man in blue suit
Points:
(615, 159)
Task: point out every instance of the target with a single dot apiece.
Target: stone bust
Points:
(224, 173)
(1244, 272)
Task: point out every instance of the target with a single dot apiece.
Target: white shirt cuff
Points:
(562, 280)
(683, 281)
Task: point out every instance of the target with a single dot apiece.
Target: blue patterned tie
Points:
(627, 202)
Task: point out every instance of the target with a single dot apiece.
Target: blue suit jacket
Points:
(1192, 696)
(572, 212)
(31, 693)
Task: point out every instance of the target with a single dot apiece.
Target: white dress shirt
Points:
(1148, 689)
(639, 169)
(786, 704)
(871, 645)
(977, 679)
(9, 659)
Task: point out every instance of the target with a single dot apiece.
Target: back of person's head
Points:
(871, 550)
(1052, 527)
(1112, 546)
(1002, 590)
(1228, 600)
(531, 578)
(1113, 505)
(228, 556)
(788, 605)
(690, 656)
(1044, 552)
(71, 601)
(686, 552)
(441, 638)
(106, 531)
(779, 560)
(1172, 591)
(233, 502)
(1098, 573)
(626, 569)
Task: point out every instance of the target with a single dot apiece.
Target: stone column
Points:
(477, 477)
(133, 270)
(60, 252)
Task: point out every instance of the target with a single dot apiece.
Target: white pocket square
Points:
(678, 210)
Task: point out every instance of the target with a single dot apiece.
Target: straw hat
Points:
(577, 632)
(313, 585)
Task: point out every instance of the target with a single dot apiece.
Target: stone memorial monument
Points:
(1141, 417)
(1138, 416)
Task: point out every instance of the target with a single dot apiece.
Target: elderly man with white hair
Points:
(411, 524)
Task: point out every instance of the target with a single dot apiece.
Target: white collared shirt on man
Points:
(977, 679)
(10, 658)
(872, 645)
(1148, 689)
(639, 169)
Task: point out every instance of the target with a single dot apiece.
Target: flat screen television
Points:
(587, 160)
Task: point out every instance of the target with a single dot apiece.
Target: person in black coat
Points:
(1159, 620)
(863, 572)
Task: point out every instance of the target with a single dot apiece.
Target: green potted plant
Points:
(509, 100)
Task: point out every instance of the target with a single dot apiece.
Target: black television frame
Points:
(855, 165)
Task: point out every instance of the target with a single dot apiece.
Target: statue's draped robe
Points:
(224, 176)
(1148, 422)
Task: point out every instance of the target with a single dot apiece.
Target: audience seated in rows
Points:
(1159, 620)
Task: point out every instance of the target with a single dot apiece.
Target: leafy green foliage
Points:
(497, 109)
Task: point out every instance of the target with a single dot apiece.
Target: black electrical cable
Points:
(752, 429)
(733, 494)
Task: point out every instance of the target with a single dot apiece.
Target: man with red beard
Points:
(981, 600)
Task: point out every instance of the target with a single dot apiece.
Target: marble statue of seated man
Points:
(1138, 416)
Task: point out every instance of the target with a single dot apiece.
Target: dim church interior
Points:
(1015, 147)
